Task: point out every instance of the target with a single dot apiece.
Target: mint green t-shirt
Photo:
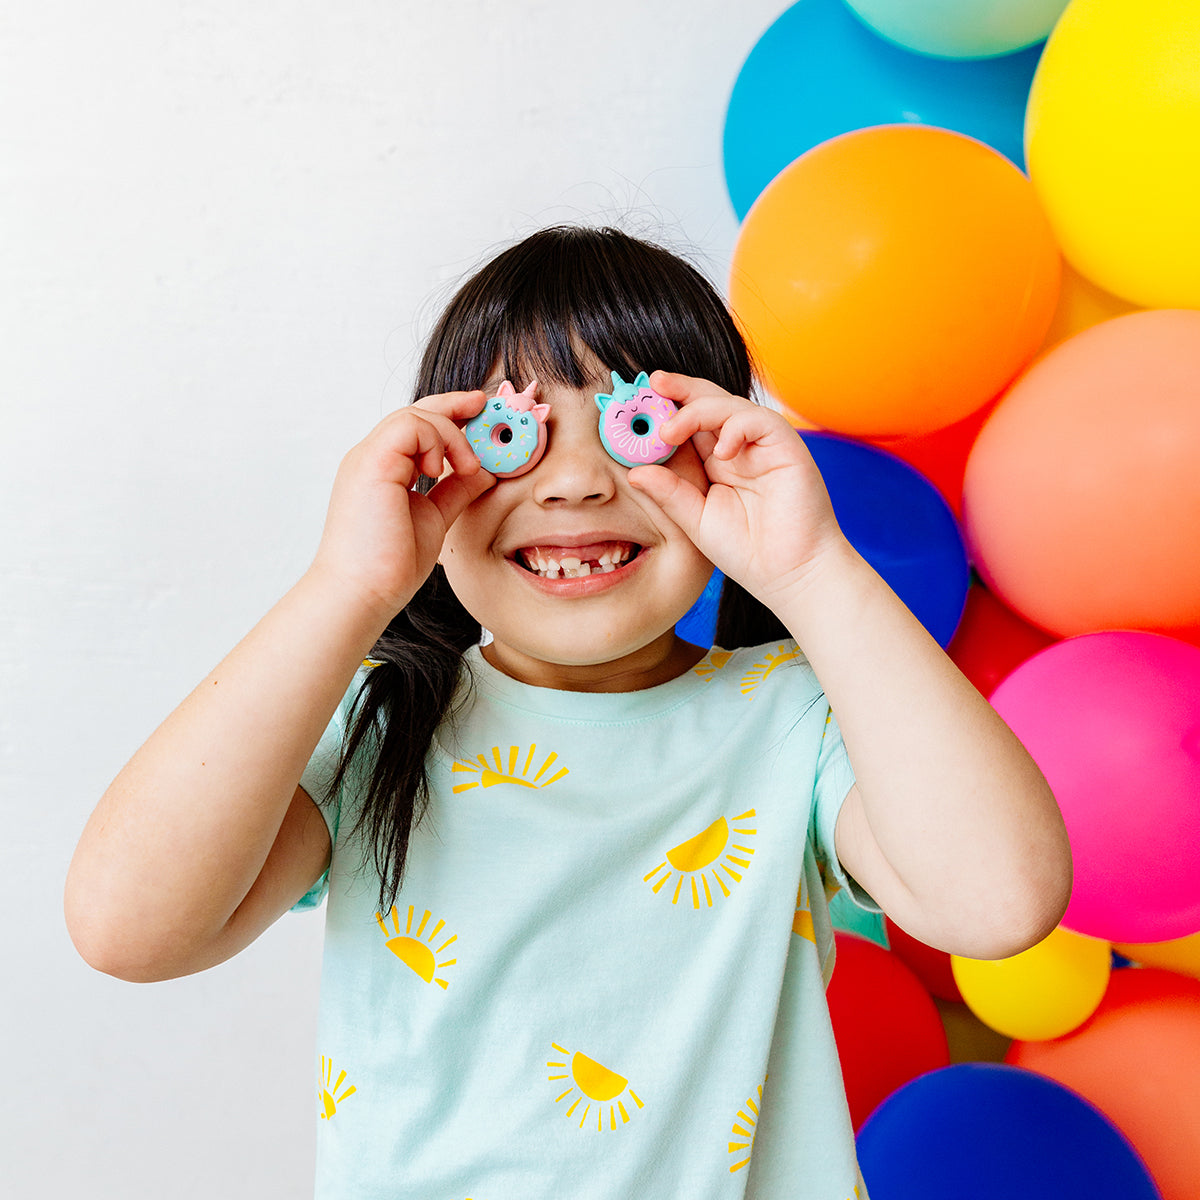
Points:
(603, 977)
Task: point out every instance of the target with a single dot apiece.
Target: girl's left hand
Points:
(766, 519)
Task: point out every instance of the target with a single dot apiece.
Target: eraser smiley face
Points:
(629, 422)
(509, 435)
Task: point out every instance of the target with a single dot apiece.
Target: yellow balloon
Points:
(1112, 139)
(1181, 955)
(1044, 992)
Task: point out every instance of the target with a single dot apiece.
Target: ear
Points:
(541, 411)
(506, 389)
(603, 400)
(642, 381)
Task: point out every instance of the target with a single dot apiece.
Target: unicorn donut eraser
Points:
(509, 435)
(629, 421)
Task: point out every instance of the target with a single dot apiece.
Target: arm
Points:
(950, 826)
(205, 837)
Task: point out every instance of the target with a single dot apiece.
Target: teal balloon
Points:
(961, 28)
(819, 72)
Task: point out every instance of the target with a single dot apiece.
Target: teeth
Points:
(573, 567)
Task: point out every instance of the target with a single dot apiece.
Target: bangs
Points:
(569, 304)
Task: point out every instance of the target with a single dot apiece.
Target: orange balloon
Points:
(1081, 502)
(1137, 1060)
(893, 279)
(1179, 954)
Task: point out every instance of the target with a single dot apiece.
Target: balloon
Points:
(992, 640)
(930, 966)
(992, 1132)
(1043, 992)
(1136, 1060)
(887, 1028)
(1082, 498)
(941, 456)
(1111, 135)
(897, 521)
(1179, 954)
(893, 280)
(817, 72)
(961, 28)
(1113, 721)
(1081, 304)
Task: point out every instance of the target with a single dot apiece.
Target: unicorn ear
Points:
(642, 381)
(506, 389)
(541, 411)
(603, 400)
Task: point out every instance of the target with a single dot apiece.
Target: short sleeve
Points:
(318, 777)
(834, 779)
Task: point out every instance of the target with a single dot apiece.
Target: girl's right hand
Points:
(381, 538)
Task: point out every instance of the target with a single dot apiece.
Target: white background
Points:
(225, 227)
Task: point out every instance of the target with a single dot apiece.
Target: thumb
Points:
(454, 492)
(682, 501)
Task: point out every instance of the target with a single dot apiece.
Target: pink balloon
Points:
(1113, 721)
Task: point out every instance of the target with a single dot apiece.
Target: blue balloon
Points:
(994, 1132)
(896, 519)
(819, 72)
(899, 522)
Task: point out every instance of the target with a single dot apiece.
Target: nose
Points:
(575, 469)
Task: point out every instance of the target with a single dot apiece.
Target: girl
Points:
(577, 934)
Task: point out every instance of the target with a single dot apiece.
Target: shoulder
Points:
(773, 669)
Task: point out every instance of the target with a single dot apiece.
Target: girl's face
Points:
(517, 557)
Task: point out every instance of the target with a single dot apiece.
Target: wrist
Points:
(363, 611)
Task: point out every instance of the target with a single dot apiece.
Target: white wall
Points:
(224, 226)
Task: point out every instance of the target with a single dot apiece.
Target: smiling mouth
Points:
(576, 562)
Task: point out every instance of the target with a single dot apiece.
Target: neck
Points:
(664, 659)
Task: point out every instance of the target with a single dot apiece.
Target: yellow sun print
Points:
(743, 1130)
(515, 769)
(696, 861)
(417, 951)
(711, 663)
(775, 658)
(802, 918)
(595, 1084)
(331, 1093)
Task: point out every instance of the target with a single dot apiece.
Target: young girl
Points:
(577, 934)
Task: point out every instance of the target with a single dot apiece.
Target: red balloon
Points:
(887, 1026)
(930, 966)
(992, 641)
(941, 456)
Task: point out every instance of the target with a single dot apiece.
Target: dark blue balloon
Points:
(899, 522)
(992, 1132)
(896, 519)
(819, 72)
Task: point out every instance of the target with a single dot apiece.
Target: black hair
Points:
(535, 310)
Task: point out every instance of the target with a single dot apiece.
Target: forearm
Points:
(181, 835)
(957, 833)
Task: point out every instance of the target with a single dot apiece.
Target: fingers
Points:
(455, 492)
(425, 438)
(681, 500)
(720, 425)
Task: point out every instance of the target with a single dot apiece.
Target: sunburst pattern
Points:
(711, 663)
(331, 1093)
(514, 768)
(742, 1131)
(697, 861)
(774, 659)
(592, 1085)
(415, 948)
(802, 918)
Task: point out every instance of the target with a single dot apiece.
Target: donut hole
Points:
(501, 435)
(640, 425)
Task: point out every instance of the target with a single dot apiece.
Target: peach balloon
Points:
(1137, 1060)
(1081, 501)
(894, 279)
